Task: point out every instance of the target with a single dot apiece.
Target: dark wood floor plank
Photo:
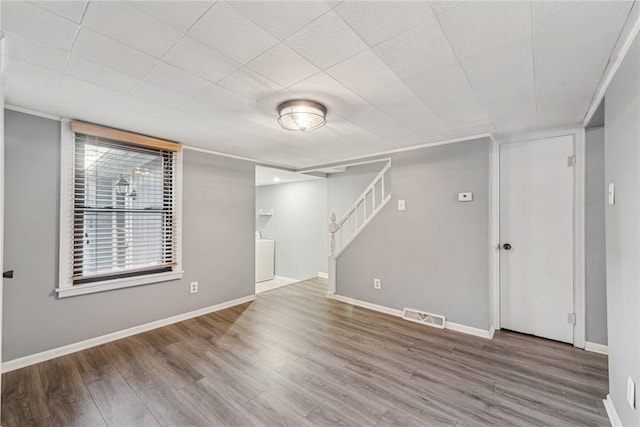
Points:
(69, 401)
(272, 411)
(222, 407)
(117, 402)
(23, 398)
(167, 404)
(294, 357)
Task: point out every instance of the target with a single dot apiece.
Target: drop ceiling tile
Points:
(378, 21)
(326, 41)
(229, 32)
(474, 28)
(103, 50)
(80, 89)
(22, 93)
(220, 97)
(140, 105)
(418, 50)
(380, 124)
(250, 84)
(545, 9)
(268, 107)
(281, 19)
(98, 74)
(419, 118)
(32, 22)
(36, 53)
(178, 14)
(23, 72)
(369, 77)
(200, 60)
(283, 66)
(129, 25)
(590, 21)
(447, 92)
(71, 10)
(152, 93)
(332, 94)
(440, 7)
(177, 80)
(572, 50)
(219, 117)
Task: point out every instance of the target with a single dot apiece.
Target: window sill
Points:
(72, 291)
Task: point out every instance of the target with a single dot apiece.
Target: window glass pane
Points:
(123, 208)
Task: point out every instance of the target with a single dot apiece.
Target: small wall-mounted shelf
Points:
(263, 213)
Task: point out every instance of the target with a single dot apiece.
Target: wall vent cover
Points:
(423, 318)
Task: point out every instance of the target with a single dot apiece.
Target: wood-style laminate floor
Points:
(295, 358)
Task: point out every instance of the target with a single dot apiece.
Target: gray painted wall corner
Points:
(218, 246)
(622, 167)
(433, 256)
(298, 226)
(595, 265)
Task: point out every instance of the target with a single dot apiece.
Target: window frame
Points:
(66, 287)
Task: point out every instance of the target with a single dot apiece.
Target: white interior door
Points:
(536, 237)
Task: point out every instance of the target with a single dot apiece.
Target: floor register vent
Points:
(423, 318)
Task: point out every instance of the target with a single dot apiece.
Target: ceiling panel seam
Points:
(464, 71)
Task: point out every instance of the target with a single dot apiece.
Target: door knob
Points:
(506, 246)
(8, 274)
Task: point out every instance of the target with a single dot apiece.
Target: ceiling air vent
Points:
(423, 318)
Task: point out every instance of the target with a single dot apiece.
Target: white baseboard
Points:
(596, 348)
(469, 330)
(290, 280)
(323, 275)
(364, 304)
(614, 419)
(32, 359)
(398, 313)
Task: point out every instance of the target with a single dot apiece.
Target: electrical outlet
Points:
(377, 284)
(194, 287)
(631, 392)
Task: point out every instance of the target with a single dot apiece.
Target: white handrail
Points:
(362, 196)
(343, 226)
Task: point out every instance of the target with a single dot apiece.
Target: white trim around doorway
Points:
(578, 224)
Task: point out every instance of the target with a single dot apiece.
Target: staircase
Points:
(361, 212)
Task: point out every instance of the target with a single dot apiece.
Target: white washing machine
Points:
(265, 258)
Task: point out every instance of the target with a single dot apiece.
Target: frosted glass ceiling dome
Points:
(302, 115)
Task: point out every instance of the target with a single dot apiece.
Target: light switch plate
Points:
(612, 194)
(631, 392)
(401, 205)
(465, 197)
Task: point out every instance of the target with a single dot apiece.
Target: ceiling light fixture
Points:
(302, 115)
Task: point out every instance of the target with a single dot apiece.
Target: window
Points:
(119, 211)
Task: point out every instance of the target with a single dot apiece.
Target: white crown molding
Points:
(32, 112)
(615, 60)
(371, 158)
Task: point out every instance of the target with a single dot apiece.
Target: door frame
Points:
(578, 224)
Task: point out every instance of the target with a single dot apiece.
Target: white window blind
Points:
(124, 210)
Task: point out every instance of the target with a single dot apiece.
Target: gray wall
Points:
(298, 226)
(595, 274)
(218, 246)
(343, 188)
(435, 255)
(622, 167)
